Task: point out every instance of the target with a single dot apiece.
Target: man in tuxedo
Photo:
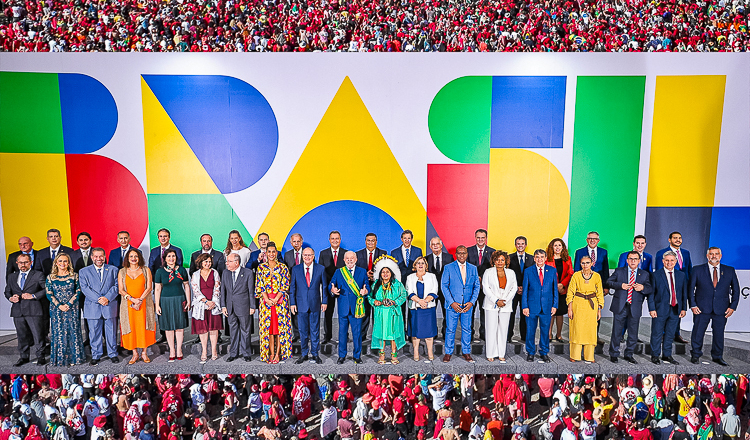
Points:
(217, 257)
(436, 262)
(24, 289)
(81, 257)
(331, 258)
(599, 261)
(25, 247)
(539, 303)
(631, 285)
(351, 287)
(259, 255)
(366, 259)
(666, 306)
(118, 254)
(238, 304)
(308, 295)
(519, 261)
(460, 284)
(99, 287)
(293, 256)
(713, 294)
(480, 255)
(156, 258)
(684, 265)
(47, 255)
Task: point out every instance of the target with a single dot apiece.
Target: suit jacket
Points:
(602, 262)
(538, 297)
(445, 259)
(486, 262)
(239, 297)
(620, 297)
(515, 265)
(35, 285)
(154, 258)
(347, 300)
(93, 288)
(646, 261)
(710, 299)
(405, 267)
(115, 256)
(11, 266)
(362, 259)
(218, 262)
(454, 289)
(252, 262)
(308, 298)
(77, 259)
(661, 300)
(289, 259)
(567, 274)
(325, 258)
(687, 263)
(45, 258)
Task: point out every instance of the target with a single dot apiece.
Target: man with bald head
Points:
(349, 285)
(26, 247)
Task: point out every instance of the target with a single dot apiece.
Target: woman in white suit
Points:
(422, 291)
(500, 285)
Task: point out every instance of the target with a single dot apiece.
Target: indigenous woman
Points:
(236, 245)
(585, 300)
(500, 286)
(387, 297)
(63, 293)
(207, 318)
(557, 257)
(422, 289)
(272, 288)
(137, 311)
(172, 302)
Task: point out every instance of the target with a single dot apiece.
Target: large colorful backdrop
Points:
(541, 145)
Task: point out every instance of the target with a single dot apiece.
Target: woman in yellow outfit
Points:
(585, 300)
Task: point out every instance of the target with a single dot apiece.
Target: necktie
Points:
(407, 257)
(234, 277)
(481, 254)
(335, 259)
(162, 256)
(716, 277)
(307, 276)
(85, 258)
(54, 253)
(463, 272)
(674, 294)
(630, 290)
(30, 256)
(369, 262)
(593, 258)
(23, 280)
(679, 258)
(122, 254)
(101, 278)
(437, 264)
(541, 276)
(296, 258)
(522, 260)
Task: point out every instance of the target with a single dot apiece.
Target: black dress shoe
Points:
(613, 359)
(247, 358)
(655, 359)
(721, 362)
(695, 360)
(546, 359)
(94, 362)
(340, 361)
(630, 359)
(357, 361)
(41, 361)
(317, 360)
(300, 360)
(670, 359)
(680, 339)
(640, 341)
(115, 360)
(232, 358)
(20, 362)
(529, 358)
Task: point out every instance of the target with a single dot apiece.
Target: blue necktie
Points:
(407, 257)
(23, 280)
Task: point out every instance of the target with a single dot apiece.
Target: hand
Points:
(653, 314)
(27, 295)
(363, 291)
(293, 309)
(525, 312)
(598, 314)
(500, 303)
(520, 290)
(370, 275)
(570, 312)
(335, 290)
(625, 286)
(728, 313)
(224, 311)
(682, 314)
(14, 299)
(467, 307)
(560, 288)
(638, 287)
(210, 305)
(187, 306)
(103, 301)
(695, 310)
(252, 311)
(456, 308)
(64, 307)
(323, 307)
(377, 303)
(554, 310)
(158, 310)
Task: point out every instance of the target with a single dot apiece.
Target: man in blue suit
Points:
(713, 294)
(308, 296)
(646, 261)
(405, 256)
(350, 286)
(598, 256)
(99, 287)
(666, 306)
(539, 303)
(116, 255)
(156, 257)
(259, 255)
(460, 284)
(684, 265)
(631, 285)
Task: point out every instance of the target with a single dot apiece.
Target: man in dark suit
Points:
(539, 303)
(480, 255)
(331, 258)
(81, 257)
(156, 258)
(713, 294)
(349, 285)
(47, 255)
(259, 255)
(308, 295)
(436, 262)
(25, 247)
(684, 265)
(238, 304)
(116, 255)
(599, 258)
(405, 256)
(519, 261)
(639, 245)
(366, 259)
(293, 256)
(217, 257)
(24, 289)
(631, 285)
(666, 306)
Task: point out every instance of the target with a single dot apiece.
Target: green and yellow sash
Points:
(359, 310)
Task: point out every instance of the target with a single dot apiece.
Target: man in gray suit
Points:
(24, 289)
(99, 287)
(238, 304)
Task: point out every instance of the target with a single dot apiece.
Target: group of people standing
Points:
(397, 293)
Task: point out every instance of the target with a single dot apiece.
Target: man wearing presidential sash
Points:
(349, 284)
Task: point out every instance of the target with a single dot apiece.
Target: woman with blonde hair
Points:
(64, 293)
(422, 292)
(137, 313)
(236, 245)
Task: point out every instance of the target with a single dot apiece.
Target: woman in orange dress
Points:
(137, 317)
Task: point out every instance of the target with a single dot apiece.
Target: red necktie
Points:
(679, 258)
(674, 294)
(369, 263)
(716, 277)
(593, 258)
(630, 290)
(480, 257)
(296, 258)
(334, 257)
(307, 276)
(541, 276)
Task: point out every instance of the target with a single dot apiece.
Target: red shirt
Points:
(421, 413)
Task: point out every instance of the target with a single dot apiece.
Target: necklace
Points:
(586, 280)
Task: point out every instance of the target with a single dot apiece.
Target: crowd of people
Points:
(382, 297)
(374, 26)
(389, 407)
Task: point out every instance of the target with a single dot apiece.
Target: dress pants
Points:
(239, 343)
(356, 324)
(700, 324)
(543, 321)
(480, 300)
(441, 300)
(662, 332)
(328, 321)
(588, 352)
(106, 326)
(366, 320)
(453, 319)
(309, 332)
(521, 322)
(496, 326)
(620, 321)
(29, 331)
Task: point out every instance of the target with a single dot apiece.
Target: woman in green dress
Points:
(388, 294)
(64, 294)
